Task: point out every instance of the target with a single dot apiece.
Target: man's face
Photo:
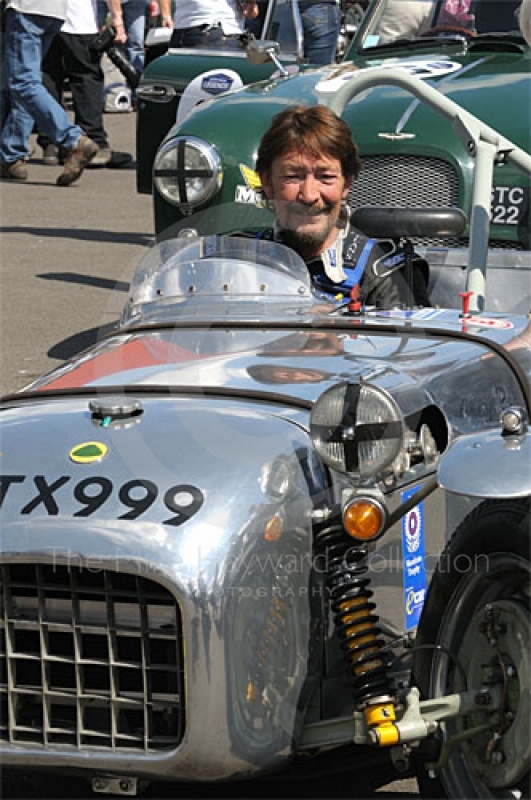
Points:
(307, 194)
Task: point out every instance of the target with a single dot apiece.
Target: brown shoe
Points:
(16, 171)
(76, 160)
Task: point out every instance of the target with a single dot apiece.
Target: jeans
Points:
(134, 14)
(27, 39)
(321, 24)
(5, 102)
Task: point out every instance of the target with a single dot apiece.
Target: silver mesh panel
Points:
(89, 659)
(405, 181)
(398, 180)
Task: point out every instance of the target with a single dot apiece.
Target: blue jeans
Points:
(27, 38)
(321, 24)
(134, 14)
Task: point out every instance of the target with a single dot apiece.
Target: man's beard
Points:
(309, 244)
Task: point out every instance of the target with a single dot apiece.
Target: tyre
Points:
(475, 634)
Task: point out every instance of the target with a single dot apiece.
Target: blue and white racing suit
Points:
(379, 268)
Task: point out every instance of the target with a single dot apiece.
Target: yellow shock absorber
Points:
(380, 719)
(348, 583)
(359, 632)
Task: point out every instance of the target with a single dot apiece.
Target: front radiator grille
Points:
(398, 180)
(89, 659)
(405, 181)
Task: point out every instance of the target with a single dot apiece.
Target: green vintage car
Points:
(411, 155)
(166, 78)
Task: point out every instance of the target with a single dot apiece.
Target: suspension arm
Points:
(419, 720)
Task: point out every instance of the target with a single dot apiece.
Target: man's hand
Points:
(117, 20)
(165, 13)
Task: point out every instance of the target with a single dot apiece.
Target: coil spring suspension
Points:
(270, 641)
(357, 626)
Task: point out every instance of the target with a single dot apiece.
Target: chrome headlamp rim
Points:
(349, 437)
(213, 171)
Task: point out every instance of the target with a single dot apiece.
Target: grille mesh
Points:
(398, 180)
(405, 181)
(89, 659)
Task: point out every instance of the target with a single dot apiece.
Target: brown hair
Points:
(315, 130)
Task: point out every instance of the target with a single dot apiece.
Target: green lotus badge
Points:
(88, 452)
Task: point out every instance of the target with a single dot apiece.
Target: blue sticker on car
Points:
(216, 84)
(414, 562)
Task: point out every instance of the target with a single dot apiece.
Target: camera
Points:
(104, 43)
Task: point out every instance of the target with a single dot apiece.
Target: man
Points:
(306, 162)
(30, 26)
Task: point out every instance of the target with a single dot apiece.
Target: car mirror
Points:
(259, 51)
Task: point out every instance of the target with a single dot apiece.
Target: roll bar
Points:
(485, 145)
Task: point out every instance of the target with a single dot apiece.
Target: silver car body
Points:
(168, 497)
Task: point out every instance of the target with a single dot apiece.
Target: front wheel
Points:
(475, 635)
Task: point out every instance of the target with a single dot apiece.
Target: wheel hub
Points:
(495, 652)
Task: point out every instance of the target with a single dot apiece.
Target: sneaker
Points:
(16, 171)
(76, 160)
(50, 155)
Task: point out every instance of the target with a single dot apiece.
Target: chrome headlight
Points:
(357, 428)
(187, 172)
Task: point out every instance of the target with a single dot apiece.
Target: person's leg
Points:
(18, 124)
(5, 103)
(27, 40)
(321, 23)
(134, 12)
(53, 76)
(53, 72)
(85, 76)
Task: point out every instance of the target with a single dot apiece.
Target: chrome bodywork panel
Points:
(201, 543)
(467, 467)
(166, 609)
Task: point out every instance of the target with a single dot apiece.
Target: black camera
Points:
(104, 43)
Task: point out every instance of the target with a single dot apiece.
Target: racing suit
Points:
(387, 276)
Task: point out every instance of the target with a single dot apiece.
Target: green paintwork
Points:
(176, 70)
(486, 83)
(490, 78)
